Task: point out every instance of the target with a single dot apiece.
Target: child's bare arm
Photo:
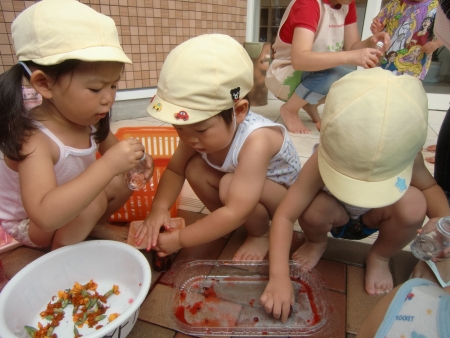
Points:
(303, 58)
(169, 188)
(244, 192)
(51, 206)
(437, 205)
(278, 295)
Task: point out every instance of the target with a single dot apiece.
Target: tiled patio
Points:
(341, 268)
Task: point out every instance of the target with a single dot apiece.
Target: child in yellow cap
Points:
(367, 174)
(237, 162)
(53, 191)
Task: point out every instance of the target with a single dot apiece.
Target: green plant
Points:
(435, 55)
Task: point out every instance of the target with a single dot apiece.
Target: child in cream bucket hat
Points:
(237, 162)
(367, 174)
(53, 190)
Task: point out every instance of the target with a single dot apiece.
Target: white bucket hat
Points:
(374, 124)
(200, 78)
(52, 31)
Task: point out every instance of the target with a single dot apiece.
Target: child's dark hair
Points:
(15, 123)
(227, 115)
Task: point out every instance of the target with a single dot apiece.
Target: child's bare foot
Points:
(430, 159)
(111, 232)
(293, 122)
(378, 276)
(431, 148)
(253, 249)
(309, 254)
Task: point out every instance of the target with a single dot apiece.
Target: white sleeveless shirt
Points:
(283, 167)
(71, 163)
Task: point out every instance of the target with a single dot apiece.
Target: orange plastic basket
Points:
(160, 142)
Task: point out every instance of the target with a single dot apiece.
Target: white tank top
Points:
(283, 167)
(71, 163)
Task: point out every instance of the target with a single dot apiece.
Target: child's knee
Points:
(411, 208)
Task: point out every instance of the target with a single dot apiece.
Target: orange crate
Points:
(160, 142)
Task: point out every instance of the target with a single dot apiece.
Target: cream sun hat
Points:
(52, 31)
(374, 124)
(200, 78)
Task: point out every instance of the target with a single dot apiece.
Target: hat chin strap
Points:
(234, 119)
(23, 64)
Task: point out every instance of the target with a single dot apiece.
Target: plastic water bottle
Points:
(135, 177)
(427, 246)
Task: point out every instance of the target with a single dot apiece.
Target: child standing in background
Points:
(410, 24)
(53, 190)
(367, 174)
(238, 163)
(315, 39)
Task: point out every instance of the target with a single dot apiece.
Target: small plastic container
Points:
(160, 143)
(135, 179)
(429, 245)
(221, 298)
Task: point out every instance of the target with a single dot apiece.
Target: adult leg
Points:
(397, 224)
(324, 213)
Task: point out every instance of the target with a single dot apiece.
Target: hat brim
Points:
(173, 114)
(362, 193)
(92, 54)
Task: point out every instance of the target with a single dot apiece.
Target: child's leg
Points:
(324, 213)
(313, 112)
(397, 224)
(73, 232)
(204, 181)
(256, 245)
(289, 114)
(117, 194)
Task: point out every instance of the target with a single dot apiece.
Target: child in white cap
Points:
(53, 190)
(237, 162)
(367, 174)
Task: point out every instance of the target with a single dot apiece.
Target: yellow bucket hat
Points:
(200, 78)
(52, 31)
(374, 124)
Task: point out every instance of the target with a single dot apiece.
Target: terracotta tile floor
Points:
(341, 268)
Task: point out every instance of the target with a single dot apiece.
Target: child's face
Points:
(209, 136)
(86, 96)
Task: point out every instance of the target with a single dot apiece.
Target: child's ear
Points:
(42, 83)
(241, 108)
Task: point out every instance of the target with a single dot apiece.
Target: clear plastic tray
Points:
(221, 298)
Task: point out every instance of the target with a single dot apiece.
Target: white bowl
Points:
(105, 262)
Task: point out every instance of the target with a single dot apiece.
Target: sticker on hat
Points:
(235, 94)
(157, 106)
(182, 115)
(401, 184)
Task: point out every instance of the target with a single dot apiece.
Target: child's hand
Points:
(376, 26)
(278, 297)
(168, 242)
(151, 227)
(149, 172)
(430, 47)
(366, 57)
(123, 156)
(430, 226)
